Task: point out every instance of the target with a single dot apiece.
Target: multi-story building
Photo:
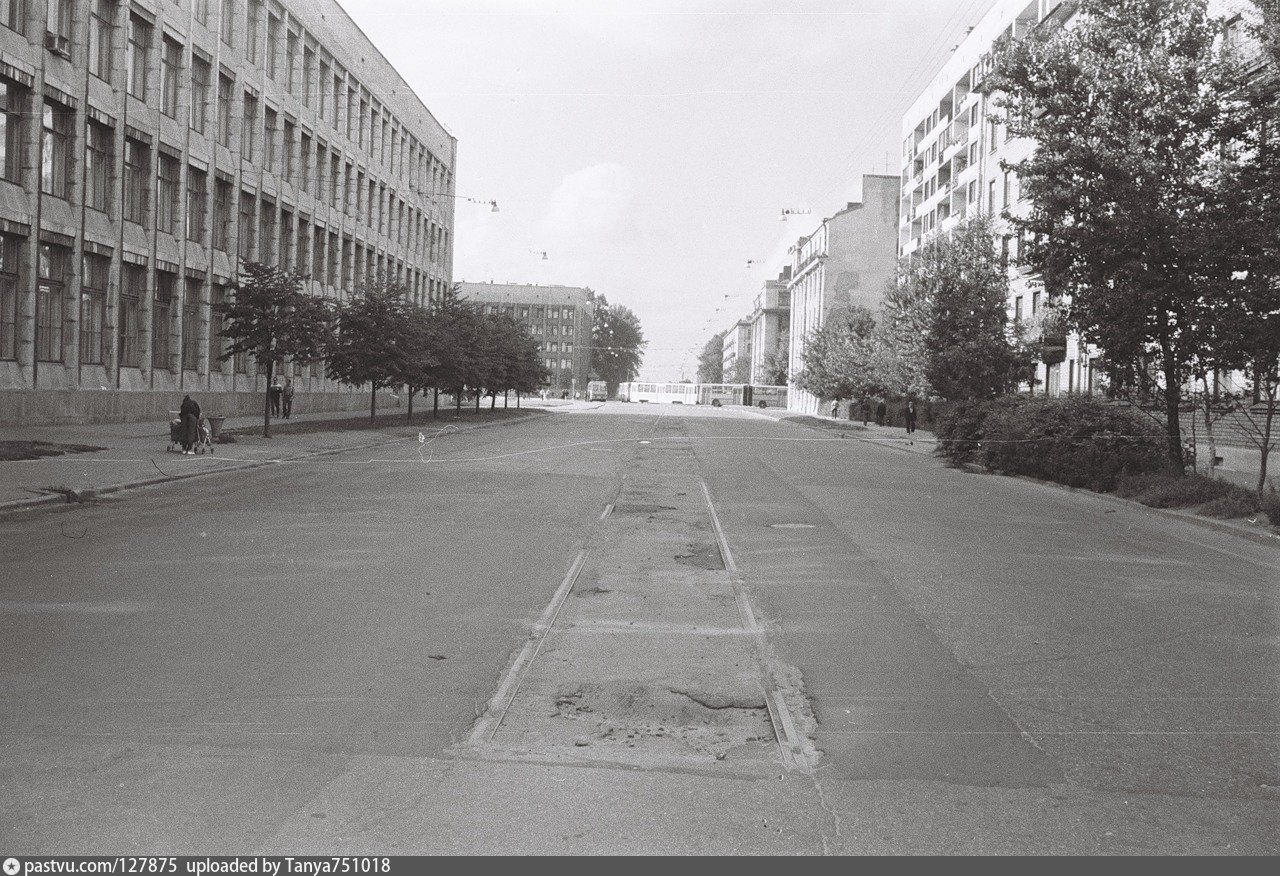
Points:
(954, 155)
(559, 318)
(849, 260)
(770, 323)
(149, 145)
(736, 352)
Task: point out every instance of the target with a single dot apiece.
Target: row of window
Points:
(536, 311)
(319, 82)
(52, 322)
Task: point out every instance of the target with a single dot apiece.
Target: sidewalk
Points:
(135, 454)
(895, 437)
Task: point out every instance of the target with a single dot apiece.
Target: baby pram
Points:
(204, 438)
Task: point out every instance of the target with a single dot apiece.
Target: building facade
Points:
(149, 145)
(770, 324)
(849, 260)
(559, 318)
(954, 155)
(736, 352)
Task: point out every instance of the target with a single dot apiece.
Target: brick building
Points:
(147, 145)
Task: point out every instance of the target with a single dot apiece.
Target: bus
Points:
(659, 393)
(597, 390)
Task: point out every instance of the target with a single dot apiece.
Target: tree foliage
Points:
(1131, 111)
(374, 345)
(842, 357)
(775, 364)
(271, 318)
(711, 360)
(617, 344)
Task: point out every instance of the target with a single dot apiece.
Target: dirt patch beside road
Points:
(14, 451)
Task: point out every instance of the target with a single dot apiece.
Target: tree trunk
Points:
(1172, 396)
(435, 403)
(493, 401)
(266, 407)
(411, 391)
(373, 403)
(1264, 449)
(457, 402)
(505, 392)
(1208, 423)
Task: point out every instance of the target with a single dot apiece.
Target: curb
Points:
(59, 499)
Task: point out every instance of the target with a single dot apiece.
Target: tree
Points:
(423, 347)
(1129, 111)
(271, 318)
(948, 323)
(775, 365)
(711, 360)
(617, 344)
(840, 356)
(741, 370)
(373, 344)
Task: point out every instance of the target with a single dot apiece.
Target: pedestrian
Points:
(880, 412)
(275, 391)
(866, 410)
(835, 409)
(288, 397)
(189, 413)
(910, 416)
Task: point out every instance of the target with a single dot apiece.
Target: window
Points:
(286, 152)
(331, 273)
(270, 120)
(100, 27)
(139, 45)
(249, 129)
(191, 305)
(13, 14)
(1035, 303)
(287, 245)
(197, 203)
(247, 225)
(322, 97)
(273, 46)
(201, 8)
(167, 194)
(1017, 310)
(266, 231)
(308, 69)
(55, 150)
(50, 293)
(170, 67)
(993, 134)
(9, 255)
(93, 309)
(217, 344)
(348, 183)
(991, 196)
(317, 254)
(98, 166)
(336, 96)
(254, 22)
(290, 60)
(306, 161)
(226, 108)
(199, 94)
(302, 258)
(162, 320)
(353, 118)
(12, 117)
(229, 22)
(133, 289)
(360, 123)
(1004, 196)
(335, 169)
(59, 21)
(222, 193)
(136, 163)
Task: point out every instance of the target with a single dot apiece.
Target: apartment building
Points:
(770, 323)
(736, 352)
(149, 145)
(559, 318)
(954, 152)
(850, 259)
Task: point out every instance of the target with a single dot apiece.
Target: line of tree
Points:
(378, 338)
(1154, 189)
(617, 344)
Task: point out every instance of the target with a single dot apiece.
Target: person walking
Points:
(880, 412)
(275, 392)
(189, 413)
(835, 409)
(866, 410)
(910, 416)
(288, 397)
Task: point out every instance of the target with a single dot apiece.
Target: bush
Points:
(961, 427)
(1271, 506)
(1076, 441)
(1237, 503)
(1173, 491)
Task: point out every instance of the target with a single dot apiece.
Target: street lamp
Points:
(789, 211)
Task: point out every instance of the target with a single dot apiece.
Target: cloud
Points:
(590, 206)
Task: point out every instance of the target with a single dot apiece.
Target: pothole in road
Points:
(711, 723)
(637, 508)
(702, 557)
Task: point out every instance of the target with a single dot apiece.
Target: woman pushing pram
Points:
(189, 429)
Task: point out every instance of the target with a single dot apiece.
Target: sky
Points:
(649, 149)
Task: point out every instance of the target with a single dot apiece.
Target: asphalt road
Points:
(286, 658)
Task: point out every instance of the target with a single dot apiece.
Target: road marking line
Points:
(487, 727)
(608, 509)
(744, 605)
